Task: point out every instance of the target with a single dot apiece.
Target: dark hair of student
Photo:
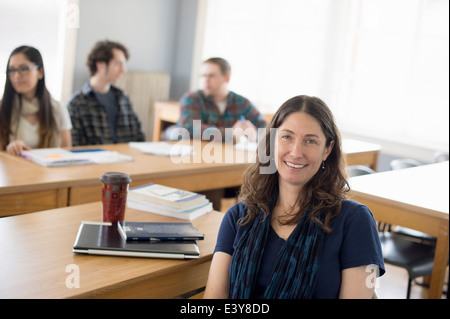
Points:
(223, 64)
(47, 123)
(325, 191)
(103, 52)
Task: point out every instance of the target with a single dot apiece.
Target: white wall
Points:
(184, 47)
(158, 34)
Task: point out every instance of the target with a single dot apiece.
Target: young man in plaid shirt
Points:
(217, 107)
(100, 112)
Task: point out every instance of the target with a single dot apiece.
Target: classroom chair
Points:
(440, 156)
(358, 170)
(401, 163)
(416, 257)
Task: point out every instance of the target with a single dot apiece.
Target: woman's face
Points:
(24, 75)
(300, 148)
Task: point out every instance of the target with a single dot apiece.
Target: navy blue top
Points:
(353, 242)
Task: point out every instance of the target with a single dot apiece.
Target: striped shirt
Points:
(197, 106)
(90, 121)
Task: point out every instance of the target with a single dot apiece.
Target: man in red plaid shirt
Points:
(217, 107)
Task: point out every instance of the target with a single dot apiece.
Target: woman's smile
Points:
(293, 165)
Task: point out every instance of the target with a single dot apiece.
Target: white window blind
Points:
(41, 24)
(381, 65)
(397, 81)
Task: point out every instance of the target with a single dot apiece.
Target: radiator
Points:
(144, 89)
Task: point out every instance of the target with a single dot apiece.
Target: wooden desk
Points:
(416, 198)
(357, 152)
(36, 250)
(193, 176)
(27, 187)
(166, 113)
(361, 153)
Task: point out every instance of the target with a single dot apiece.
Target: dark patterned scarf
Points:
(296, 267)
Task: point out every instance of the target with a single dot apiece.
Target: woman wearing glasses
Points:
(29, 116)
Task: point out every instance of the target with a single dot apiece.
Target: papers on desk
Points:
(182, 213)
(56, 157)
(162, 148)
(168, 196)
(246, 146)
(168, 201)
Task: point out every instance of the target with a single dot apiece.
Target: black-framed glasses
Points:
(23, 69)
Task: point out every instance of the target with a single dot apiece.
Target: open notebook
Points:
(104, 239)
(55, 157)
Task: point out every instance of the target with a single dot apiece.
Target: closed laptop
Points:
(105, 239)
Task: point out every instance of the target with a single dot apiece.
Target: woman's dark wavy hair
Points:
(47, 123)
(326, 190)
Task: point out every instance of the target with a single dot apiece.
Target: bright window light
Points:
(381, 65)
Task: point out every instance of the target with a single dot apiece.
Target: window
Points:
(381, 65)
(276, 49)
(398, 71)
(41, 24)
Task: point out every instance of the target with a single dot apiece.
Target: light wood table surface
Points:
(166, 113)
(28, 187)
(416, 198)
(37, 259)
(361, 153)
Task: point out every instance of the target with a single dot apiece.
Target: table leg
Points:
(440, 262)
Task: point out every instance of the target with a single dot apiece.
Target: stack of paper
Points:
(54, 157)
(246, 146)
(162, 148)
(168, 201)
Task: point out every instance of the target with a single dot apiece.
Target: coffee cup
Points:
(114, 196)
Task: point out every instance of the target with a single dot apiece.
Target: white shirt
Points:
(222, 106)
(29, 133)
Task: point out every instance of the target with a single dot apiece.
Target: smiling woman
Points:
(301, 149)
(306, 136)
(294, 234)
